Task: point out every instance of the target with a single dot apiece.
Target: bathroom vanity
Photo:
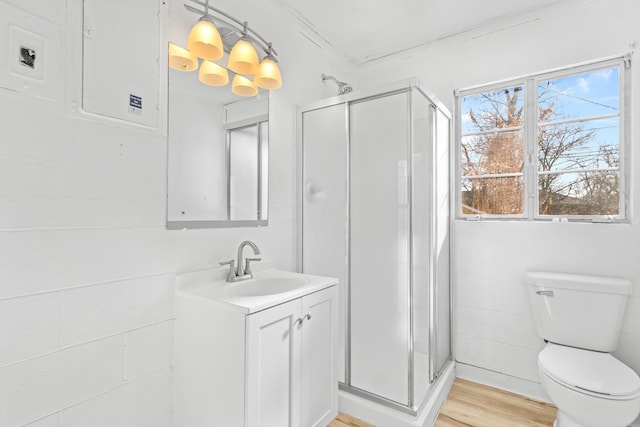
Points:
(260, 352)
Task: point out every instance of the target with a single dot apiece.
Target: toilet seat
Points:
(590, 372)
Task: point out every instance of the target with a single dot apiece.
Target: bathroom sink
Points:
(268, 287)
(262, 286)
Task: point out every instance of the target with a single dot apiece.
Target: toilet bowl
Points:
(590, 389)
(580, 318)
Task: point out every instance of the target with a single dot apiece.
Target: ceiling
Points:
(366, 30)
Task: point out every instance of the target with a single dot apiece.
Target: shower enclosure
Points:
(374, 212)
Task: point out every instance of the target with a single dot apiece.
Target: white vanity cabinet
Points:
(274, 367)
(291, 367)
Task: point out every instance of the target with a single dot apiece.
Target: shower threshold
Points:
(383, 412)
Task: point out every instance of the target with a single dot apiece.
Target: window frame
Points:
(530, 128)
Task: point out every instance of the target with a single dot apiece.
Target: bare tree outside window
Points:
(493, 153)
(577, 146)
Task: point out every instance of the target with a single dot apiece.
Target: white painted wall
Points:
(86, 265)
(493, 329)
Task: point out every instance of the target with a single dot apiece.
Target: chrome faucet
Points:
(240, 273)
(247, 268)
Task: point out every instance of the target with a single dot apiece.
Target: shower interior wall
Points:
(380, 223)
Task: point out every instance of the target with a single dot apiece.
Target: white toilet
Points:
(580, 319)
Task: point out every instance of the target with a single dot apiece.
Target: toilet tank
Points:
(579, 311)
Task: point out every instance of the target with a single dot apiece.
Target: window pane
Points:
(585, 193)
(582, 95)
(579, 145)
(491, 154)
(493, 196)
(492, 110)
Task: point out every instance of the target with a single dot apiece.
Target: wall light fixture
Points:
(217, 33)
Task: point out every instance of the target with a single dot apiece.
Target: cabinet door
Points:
(273, 367)
(319, 361)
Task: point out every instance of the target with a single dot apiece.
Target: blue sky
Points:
(587, 95)
(583, 95)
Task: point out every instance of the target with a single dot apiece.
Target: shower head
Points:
(342, 86)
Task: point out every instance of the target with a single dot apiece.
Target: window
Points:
(547, 146)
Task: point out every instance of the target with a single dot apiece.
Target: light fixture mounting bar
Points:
(242, 26)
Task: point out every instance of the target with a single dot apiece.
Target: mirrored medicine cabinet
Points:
(218, 155)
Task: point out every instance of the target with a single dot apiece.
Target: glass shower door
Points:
(441, 319)
(379, 238)
(324, 202)
(421, 220)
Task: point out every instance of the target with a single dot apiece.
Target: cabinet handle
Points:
(301, 319)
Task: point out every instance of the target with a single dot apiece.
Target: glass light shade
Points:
(205, 41)
(212, 74)
(243, 86)
(243, 58)
(181, 59)
(268, 74)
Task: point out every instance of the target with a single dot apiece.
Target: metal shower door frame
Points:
(410, 87)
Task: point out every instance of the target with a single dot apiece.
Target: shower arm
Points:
(325, 78)
(342, 86)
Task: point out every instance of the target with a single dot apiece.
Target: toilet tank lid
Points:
(588, 370)
(578, 282)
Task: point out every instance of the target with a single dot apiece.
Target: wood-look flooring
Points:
(344, 420)
(471, 404)
(477, 405)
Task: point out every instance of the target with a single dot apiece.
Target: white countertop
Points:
(210, 285)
